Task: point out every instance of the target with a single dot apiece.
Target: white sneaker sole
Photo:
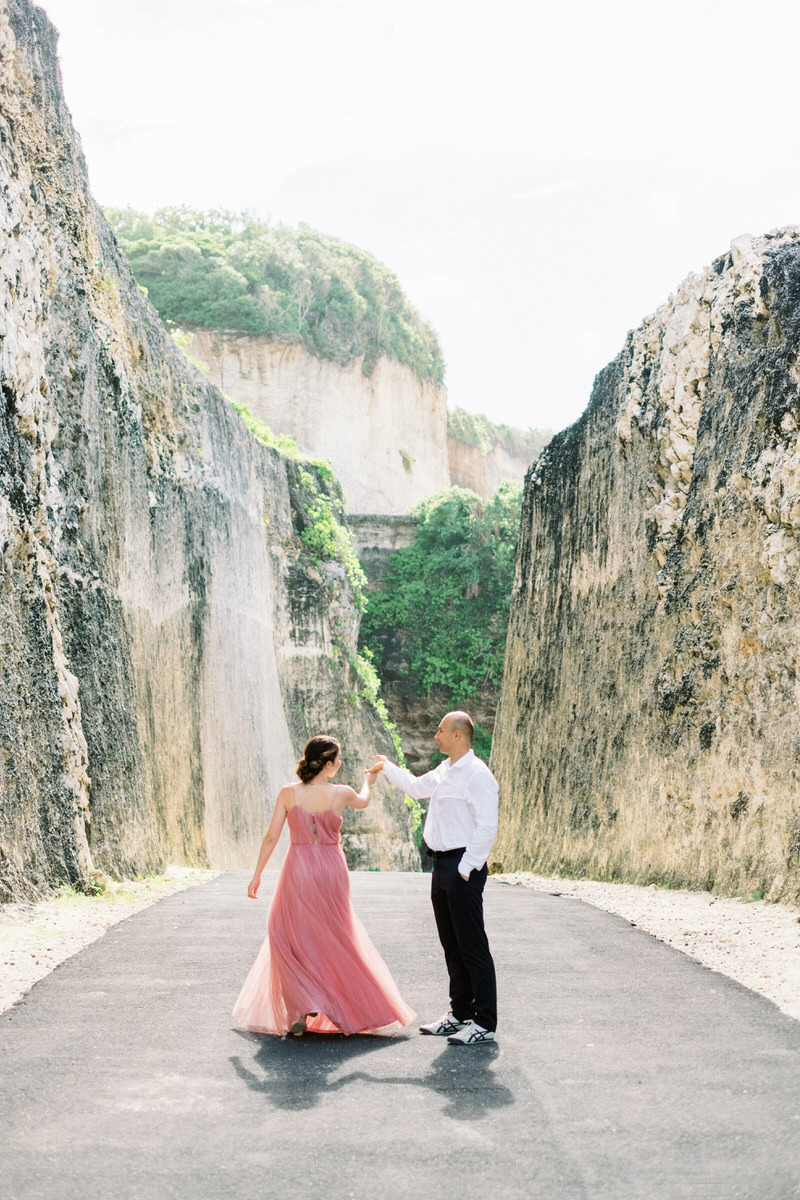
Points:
(483, 1039)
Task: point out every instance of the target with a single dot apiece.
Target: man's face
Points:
(444, 736)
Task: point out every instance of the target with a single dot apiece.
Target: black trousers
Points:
(458, 908)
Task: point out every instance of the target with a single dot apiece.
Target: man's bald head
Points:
(462, 722)
(454, 735)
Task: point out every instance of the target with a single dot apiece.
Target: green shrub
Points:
(227, 271)
(368, 687)
(325, 534)
(262, 432)
(445, 600)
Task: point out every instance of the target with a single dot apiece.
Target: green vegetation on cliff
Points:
(262, 432)
(473, 429)
(443, 610)
(228, 271)
(318, 509)
(324, 531)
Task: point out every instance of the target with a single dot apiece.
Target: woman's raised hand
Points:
(372, 772)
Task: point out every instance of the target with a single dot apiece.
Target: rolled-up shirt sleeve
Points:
(417, 786)
(482, 800)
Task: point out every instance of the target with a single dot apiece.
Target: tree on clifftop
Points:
(227, 271)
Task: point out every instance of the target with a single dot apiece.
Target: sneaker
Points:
(445, 1025)
(471, 1035)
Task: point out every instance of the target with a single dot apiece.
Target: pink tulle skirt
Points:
(317, 957)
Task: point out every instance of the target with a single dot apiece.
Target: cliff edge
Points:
(648, 726)
(385, 434)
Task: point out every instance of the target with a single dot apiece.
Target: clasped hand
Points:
(374, 771)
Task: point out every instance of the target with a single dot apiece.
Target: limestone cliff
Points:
(384, 434)
(165, 642)
(483, 472)
(649, 726)
(376, 537)
(482, 455)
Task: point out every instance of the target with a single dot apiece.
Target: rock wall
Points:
(483, 471)
(385, 435)
(482, 455)
(376, 537)
(165, 645)
(648, 726)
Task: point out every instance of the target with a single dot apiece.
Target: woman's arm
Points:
(269, 843)
(360, 799)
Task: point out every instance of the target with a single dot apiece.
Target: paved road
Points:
(623, 1070)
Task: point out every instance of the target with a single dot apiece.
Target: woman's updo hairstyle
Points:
(319, 750)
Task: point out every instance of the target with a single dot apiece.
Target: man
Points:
(459, 830)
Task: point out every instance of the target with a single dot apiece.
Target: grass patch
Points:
(119, 893)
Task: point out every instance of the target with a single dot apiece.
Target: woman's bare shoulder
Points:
(344, 793)
(288, 795)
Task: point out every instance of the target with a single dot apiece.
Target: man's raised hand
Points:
(376, 767)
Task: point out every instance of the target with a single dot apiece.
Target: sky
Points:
(539, 176)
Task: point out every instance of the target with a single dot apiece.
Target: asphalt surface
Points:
(622, 1069)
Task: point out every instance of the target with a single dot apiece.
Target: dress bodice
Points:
(308, 829)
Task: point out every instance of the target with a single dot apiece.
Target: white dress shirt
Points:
(463, 807)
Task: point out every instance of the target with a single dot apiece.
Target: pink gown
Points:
(317, 957)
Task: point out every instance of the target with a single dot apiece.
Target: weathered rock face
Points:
(376, 537)
(648, 725)
(482, 455)
(483, 471)
(385, 435)
(165, 646)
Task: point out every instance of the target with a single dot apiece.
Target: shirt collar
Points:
(464, 759)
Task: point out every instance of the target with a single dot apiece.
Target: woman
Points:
(317, 969)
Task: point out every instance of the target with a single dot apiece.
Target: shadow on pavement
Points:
(296, 1073)
(470, 1095)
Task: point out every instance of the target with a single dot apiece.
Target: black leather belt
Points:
(437, 854)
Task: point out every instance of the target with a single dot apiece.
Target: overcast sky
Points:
(540, 176)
